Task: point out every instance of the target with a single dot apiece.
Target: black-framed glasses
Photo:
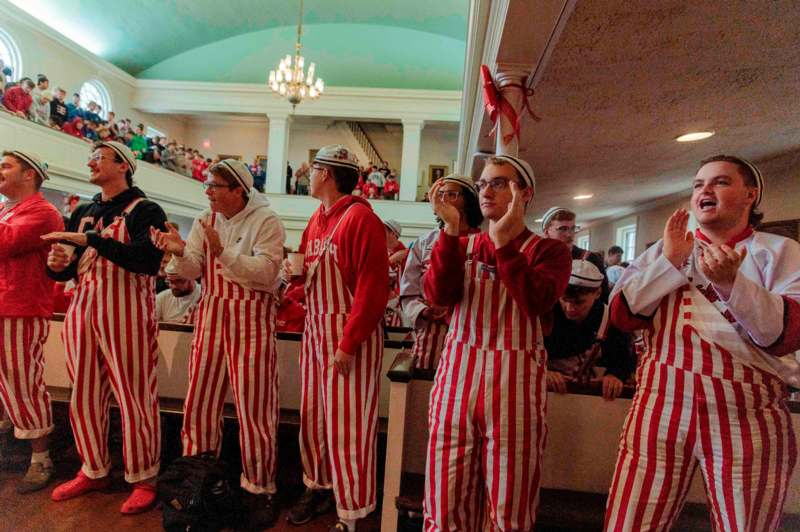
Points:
(495, 183)
(450, 195)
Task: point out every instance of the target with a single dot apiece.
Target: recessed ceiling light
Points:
(696, 135)
(539, 220)
(583, 196)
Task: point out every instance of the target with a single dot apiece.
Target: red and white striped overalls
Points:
(23, 394)
(234, 338)
(699, 403)
(110, 335)
(338, 414)
(487, 412)
(428, 344)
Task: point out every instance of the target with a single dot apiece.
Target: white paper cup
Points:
(296, 263)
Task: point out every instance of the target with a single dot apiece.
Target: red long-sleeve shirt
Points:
(25, 288)
(16, 99)
(359, 249)
(535, 278)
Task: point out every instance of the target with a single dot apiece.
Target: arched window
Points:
(10, 56)
(94, 91)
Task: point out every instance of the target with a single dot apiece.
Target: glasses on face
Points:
(214, 186)
(450, 195)
(568, 228)
(98, 157)
(496, 183)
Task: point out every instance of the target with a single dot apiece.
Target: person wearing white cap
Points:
(720, 309)
(430, 323)
(398, 253)
(346, 273)
(110, 331)
(559, 223)
(487, 407)
(236, 248)
(583, 347)
(26, 304)
(178, 303)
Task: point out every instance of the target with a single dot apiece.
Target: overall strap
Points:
(470, 246)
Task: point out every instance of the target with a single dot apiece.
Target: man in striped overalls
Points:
(26, 305)
(720, 310)
(430, 322)
(110, 332)
(486, 417)
(236, 248)
(346, 278)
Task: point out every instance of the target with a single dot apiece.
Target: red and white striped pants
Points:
(22, 390)
(487, 433)
(234, 343)
(739, 433)
(112, 349)
(339, 416)
(428, 344)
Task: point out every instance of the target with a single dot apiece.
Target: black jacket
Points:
(140, 256)
(568, 339)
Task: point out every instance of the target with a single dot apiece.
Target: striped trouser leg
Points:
(454, 490)
(748, 452)
(127, 342)
(512, 407)
(22, 389)
(205, 396)
(656, 458)
(253, 370)
(428, 345)
(351, 422)
(91, 389)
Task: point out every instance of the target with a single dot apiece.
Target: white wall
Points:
(68, 66)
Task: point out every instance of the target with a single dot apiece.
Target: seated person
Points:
(614, 267)
(583, 346)
(177, 304)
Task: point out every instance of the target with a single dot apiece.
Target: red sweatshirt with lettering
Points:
(535, 278)
(359, 248)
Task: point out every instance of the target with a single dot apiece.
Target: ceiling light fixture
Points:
(539, 220)
(583, 196)
(290, 80)
(696, 135)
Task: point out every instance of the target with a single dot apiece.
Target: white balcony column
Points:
(508, 79)
(409, 165)
(277, 152)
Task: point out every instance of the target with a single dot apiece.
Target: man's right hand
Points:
(169, 242)
(58, 259)
(678, 242)
(447, 212)
(556, 382)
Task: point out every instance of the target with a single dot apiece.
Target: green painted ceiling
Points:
(363, 43)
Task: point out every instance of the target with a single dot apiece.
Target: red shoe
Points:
(142, 499)
(78, 486)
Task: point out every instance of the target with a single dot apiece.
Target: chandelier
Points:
(289, 80)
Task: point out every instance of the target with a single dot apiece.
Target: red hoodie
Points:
(25, 288)
(71, 127)
(359, 247)
(17, 100)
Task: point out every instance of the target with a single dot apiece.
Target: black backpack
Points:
(199, 494)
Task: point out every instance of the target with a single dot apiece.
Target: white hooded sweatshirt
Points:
(252, 242)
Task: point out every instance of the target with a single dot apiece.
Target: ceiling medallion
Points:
(289, 80)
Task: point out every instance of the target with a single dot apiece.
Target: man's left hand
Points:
(79, 239)
(212, 237)
(720, 264)
(342, 362)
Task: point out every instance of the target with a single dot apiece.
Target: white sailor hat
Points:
(337, 155)
(34, 161)
(551, 212)
(759, 179)
(584, 273)
(239, 170)
(393, 226)
(120, 149)
(465, 182)
(523, 168)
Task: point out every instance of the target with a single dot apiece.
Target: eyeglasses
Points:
(98, 157)
(209, 185)
(496, 183)
(451, 195)
(568, 229)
